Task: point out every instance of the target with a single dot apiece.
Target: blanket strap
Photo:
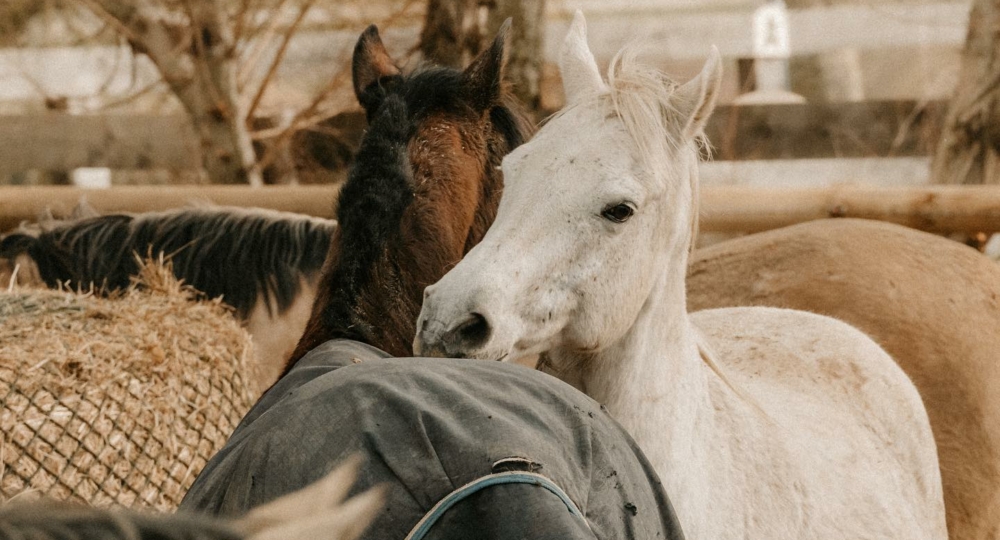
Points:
(513, 477)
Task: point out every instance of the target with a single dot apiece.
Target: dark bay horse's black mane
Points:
(237, 254)
(380, 186)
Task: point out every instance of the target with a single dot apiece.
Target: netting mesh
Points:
(116, 401)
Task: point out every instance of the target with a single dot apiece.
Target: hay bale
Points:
(120, 400)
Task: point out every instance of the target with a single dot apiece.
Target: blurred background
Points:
(96, 93)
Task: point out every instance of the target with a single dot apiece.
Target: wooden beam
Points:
(968, 209)
(688, 29)
(816, 173)
(62, 142)
(816, 130)
(724, 208)
(20, 204)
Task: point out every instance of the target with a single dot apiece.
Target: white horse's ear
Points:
(576, 63)
(696, 99)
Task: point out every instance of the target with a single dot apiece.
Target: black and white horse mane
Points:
(237, 254)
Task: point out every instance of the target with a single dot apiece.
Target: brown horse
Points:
(424, 188)
(931, 303)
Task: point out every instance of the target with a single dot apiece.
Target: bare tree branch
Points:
(259, 47)
(125, 100)
(969, 149)
(98, 9)
(205, 21)
(239, 26)
(278, 58)
(309, 115)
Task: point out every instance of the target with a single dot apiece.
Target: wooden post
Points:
(969, 149)
(771, 51)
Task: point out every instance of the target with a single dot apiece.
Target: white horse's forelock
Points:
(643, 98)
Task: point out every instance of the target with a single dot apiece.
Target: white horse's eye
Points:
(618, 213)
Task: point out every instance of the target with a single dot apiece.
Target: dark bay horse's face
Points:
(462, 124)
(423, 190)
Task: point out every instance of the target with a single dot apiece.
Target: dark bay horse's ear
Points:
(371, 62)
(484, 76)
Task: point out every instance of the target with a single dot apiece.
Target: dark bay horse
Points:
(423, 190)
(264, 264)
(467, 449)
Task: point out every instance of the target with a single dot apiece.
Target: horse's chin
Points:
(492, 356)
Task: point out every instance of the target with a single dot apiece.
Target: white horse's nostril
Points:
(467, 335)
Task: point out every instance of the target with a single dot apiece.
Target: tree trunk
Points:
(524, 62)
(969, 149)
(198, 62)
(220, 119)
(452, 34)
(455, 31)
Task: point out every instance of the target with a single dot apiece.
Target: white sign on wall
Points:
(770, 31)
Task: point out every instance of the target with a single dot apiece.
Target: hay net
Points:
(120, 400)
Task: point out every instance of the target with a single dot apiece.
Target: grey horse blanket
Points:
(544, 461)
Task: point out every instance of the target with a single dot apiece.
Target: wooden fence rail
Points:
(19, 204)
(62, 142)
(968, 209)
(724, 208)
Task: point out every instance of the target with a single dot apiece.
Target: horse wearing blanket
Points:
(469, 449)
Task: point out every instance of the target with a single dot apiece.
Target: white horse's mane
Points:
(644, 99)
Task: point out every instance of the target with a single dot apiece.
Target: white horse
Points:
(763, 423)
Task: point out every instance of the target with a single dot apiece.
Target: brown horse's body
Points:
(422, 192)
(933, 304)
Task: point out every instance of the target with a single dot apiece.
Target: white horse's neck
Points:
(656, 385)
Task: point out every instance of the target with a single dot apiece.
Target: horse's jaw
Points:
(655, 361)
